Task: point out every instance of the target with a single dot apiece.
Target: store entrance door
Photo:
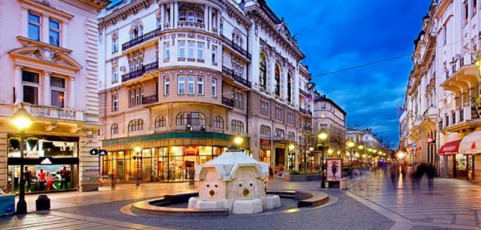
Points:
(280, 157)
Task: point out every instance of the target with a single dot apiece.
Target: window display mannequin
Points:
(65, 174)
(49, 182)
(42, 179)
(28, 177)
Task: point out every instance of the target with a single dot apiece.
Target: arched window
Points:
(265, 130)
(277, 78)
(136, 125)
(262, 71)
(237, 126)
(192, 118)
(191, 13)
(160, 121)
(219, 122)
(114, 129)
(289, 87)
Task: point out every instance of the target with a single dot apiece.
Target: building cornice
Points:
(234, 12)
(97, 4)
(258, 15)
(122, 13)
(45, 8)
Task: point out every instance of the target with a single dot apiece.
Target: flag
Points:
(400, 110)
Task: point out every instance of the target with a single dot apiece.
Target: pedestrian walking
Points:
(271, 171)
(431, 173)
(191, 176)
(404, 170)
(394, 172)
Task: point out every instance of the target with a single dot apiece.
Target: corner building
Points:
(181, 79)
(48, 60)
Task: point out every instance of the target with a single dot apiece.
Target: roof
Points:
(325, 99)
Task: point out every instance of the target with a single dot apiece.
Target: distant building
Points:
(330, 117)
(48, 61)
(364, 136)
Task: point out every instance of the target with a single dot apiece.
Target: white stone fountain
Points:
(234, 181)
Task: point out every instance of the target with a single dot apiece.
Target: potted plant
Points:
(32, 142)
(14, 142)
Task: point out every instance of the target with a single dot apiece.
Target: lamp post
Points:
(322, 136)
(361, 149)
(138, 157)
(311, 150)
(350, 144)
(22, 120)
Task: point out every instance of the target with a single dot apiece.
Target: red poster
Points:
(191, 150)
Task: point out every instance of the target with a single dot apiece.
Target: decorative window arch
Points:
(265, 130)
(137, 29)
(237, 126)
(291, 136)
(262, 70)
(277, 79)
(191, 13)
(191, 118)
(289, 87)
(219, 122)
(160, 121)
(114, 129)
(136, 125)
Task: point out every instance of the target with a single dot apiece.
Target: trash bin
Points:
(343, 184)
(43, 203)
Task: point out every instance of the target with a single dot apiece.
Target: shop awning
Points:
(471, 144)
(449, 148)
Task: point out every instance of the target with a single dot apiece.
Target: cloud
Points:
(336, 35)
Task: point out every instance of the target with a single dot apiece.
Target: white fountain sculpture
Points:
(234, 181)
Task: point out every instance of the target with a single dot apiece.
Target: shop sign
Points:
(429, 140)
(100, 152)
(46, 161)
(191, 150)
(265, 144)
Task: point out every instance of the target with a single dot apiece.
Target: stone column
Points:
(176, 14)
(46, 89)
(171, 15)
(71, 103)
(44, 28)
(18, 85)
(162, 16)
(206, 20)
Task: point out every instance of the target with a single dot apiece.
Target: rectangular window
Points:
(264, 108)
(166, 50)
(58, 92)
(181, 49)
(181, 85)
(115, 75)
(31, 84)
(214, 57)
(166, 85)
(214, 87)
(200, 86)
(115, 45)
(115, 103)
(190, 85)
(200, 51)
(238, 100)
(33, 27)
(278, 114)
(191, 47)
(54, 32)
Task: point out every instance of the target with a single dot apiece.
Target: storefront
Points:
(470, 146)
(51, 163)
(265, 151)
(163, 157)
(164, 164)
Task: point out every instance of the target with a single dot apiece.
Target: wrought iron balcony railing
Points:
(139, 72)
(228, 101)
(150, 99)
(141, 39)
(236, 47)
(229, 72)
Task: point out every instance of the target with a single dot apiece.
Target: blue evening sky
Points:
(337, 34)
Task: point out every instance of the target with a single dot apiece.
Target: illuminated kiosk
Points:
(234, 181)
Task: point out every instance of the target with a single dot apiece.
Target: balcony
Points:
(464, 118)
(150, 99)
(236, 48)
(138, 40)
(191, 25)
(463, 71)
(140, 72)
(228, 101)
(304, 111)
(304, 93)
(229, 72)
(54, 112)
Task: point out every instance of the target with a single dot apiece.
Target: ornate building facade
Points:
(180, 79)
(49, 64)
(441, 121)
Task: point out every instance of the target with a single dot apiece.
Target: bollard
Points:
(43, 203)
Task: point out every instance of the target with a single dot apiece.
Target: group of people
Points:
(399, 169)
(45, 180)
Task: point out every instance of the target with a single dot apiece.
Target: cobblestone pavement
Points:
(451, 204)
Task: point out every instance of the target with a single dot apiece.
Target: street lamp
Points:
(22, 120)
(322, 136)
(311, 149)
(292, 154)
(138, 157)
(350, 144)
